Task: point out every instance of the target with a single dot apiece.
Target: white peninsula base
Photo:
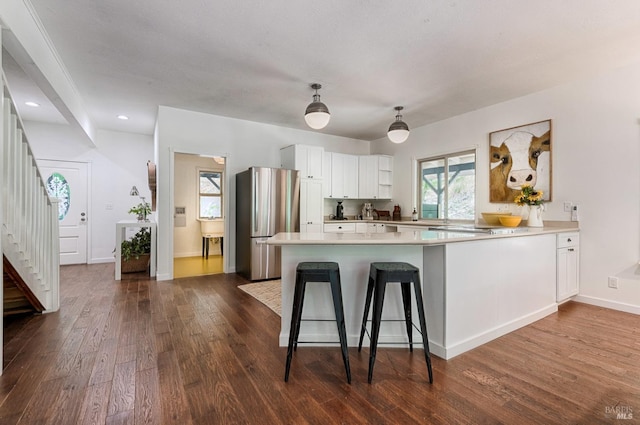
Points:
(474, 290)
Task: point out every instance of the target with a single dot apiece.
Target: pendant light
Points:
(317, 114)
(398, 130)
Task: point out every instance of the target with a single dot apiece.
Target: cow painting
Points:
(520, 156)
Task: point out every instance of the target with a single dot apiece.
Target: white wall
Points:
(243, 143)
(595, 160)
(187, 241)
(118, 162)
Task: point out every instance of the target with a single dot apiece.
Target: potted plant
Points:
(135, 253)
(142, 210)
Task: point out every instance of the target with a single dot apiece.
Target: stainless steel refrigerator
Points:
(267, 202)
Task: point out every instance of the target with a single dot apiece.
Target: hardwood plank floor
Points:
(200, 351)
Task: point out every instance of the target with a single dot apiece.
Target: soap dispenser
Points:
(414, 215)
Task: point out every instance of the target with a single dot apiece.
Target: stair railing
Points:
(30, 234)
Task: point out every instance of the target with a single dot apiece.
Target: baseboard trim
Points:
(102, 260)
(613, 305)
(480, 339)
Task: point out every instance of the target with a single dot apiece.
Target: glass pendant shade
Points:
(398, 130)
(317, 115)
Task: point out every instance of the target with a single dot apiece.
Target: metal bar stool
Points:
(317, 272)
(379, 275)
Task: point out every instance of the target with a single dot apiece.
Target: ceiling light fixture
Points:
(32, 104)
(317, 114)
(123, 117)
(398, 130)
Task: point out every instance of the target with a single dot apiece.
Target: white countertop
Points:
(418, 237)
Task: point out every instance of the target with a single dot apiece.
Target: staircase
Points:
(30, 243)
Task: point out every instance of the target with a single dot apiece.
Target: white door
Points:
(67, 181)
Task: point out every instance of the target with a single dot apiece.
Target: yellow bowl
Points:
(510, 220)
(492, 217)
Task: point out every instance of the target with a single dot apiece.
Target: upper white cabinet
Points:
(344, 176)
(308, 159)
(375, 176)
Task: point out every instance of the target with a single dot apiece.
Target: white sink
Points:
(212, 228)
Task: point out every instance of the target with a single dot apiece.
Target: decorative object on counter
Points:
(518, 156)
(414, 215)
(367, 211)
(510, 220)
(143, 209)
(535, 216)
(397, 216)
(317, 114)
(534, 199)
(491, 218)
(398, 130)
(382, 215)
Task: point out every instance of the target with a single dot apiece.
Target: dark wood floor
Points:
(200, 351)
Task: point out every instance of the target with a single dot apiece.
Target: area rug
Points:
(267, 292)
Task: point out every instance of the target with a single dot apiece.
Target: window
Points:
(209, 194)
(448, 186)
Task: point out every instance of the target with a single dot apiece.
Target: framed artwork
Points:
(520, 156)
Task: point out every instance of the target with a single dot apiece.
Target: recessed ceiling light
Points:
(123, 117)
(32, 104)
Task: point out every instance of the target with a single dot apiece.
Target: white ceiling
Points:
(254, 60)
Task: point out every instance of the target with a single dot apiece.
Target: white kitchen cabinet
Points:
(340, 227)
(385, 176)
(567, 265)
(374, 228)
(344, 176)
(375, 176)
(311, 205)
(368, 177)
(308, 159)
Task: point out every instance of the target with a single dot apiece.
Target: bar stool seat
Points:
(317, 272)
(381, 273)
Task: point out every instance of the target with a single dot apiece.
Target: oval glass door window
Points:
(58, 187)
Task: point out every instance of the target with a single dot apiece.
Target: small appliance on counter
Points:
(339, 211)
(367, 211)
(397, 216)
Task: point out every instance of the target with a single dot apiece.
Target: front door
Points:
(67, 181)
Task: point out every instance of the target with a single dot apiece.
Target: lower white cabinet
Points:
(568, 266)
(340, 227)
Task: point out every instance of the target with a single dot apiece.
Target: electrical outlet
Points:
(567, 206)
(574, 213)
(613, 282)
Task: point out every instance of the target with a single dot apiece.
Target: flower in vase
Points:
(528, 196)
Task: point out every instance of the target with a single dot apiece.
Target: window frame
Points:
(201, 170)
(446, 156)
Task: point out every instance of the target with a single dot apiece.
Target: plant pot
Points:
(133, 265)
(535, 216)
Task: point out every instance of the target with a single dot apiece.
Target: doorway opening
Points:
(199, 197)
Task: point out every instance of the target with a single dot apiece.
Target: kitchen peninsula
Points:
(476, 286)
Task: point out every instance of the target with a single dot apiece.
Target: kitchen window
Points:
(447, 186)
(209, 194)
